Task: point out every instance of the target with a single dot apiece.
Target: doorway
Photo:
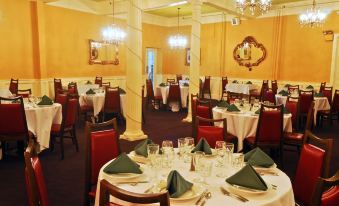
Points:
(151, 61)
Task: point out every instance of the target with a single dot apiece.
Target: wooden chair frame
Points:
(14, 81)
(25, 91)
(105, 110)
(211, 121)
(322, 184)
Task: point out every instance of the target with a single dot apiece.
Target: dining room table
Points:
(279, 192)
(164, 90)
(244, 123)
(4, 92)
(240, 88)
(83, 88)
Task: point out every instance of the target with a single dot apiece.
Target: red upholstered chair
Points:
(206, 87)
(150, 98)
(67, 126)
(292, 105)
(268, 95)
(35, 182)
(327, 191)
(305, 101)
(274, 85)
(170, 81)
(293, 88)
(13, 124)
(224, 82)
(333, 112)
(203, 108)
(269, 132)
(322, 86)
(112, 103)
(102, 145)
(105, 84)
(174, 94)
(327, 92)
(13, 86)
(58, 87)
(73, 90)
(213, 133)
(107, 189)
(179, 77)
(24, 93)
(314, 162)
(326, 114)
(98, 80)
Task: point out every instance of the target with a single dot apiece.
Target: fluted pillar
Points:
(195, 52)
(134, 72)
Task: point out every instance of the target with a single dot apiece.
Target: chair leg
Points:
(75, 140)
(62, 146)
(52, 143)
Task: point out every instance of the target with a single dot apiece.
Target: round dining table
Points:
(282, 195)
(164, 90)
(240, 88)
(244, 123)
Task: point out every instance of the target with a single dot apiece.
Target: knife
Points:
(201, 197)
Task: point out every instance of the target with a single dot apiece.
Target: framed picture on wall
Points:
(188, 57)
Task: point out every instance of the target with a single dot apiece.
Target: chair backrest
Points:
(107, 189)
(98, 80)
(174, 92)
(268, 95)
(327, 92)
(203, 108)
(292, 105)
(322, 86)
(264, 87)
(224, 82)
(274, 84)
(57, 85)
(13, 118)
(310, 117)
(105, 84)
(170, 80)
(270, 125)
(313, 163)
(149, 89)
(305, 100)
(335, 103)
(35, 182)
(207, 83)
(293, 88)
(25, 93)
(210, 133)
(71, 112)
(73, 88)
(112, 100)
(102, 145)
(13, 86)
(327, 191)
(179, 77)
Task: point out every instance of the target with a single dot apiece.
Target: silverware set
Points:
(203, 197)
(236, 196)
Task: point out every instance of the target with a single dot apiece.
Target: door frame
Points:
(334, 64)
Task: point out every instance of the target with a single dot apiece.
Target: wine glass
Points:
(220, 147)
(238, 160)
(152, 151)
(229, 151)
(189, 145)
(181, 146)
(167, 153)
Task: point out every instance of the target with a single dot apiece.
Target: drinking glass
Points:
(181, 147)
(229, 151)
(205, 168)
(167, 153)
(238, 160)
(197, 156)
(152, 151)
(189, 145)
(220, 147)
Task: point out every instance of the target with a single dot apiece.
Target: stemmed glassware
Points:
(189, 145)
(181, 147)
(229, 151)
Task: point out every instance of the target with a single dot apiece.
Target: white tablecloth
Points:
(163, 91)
(5, 93)
(40, 120)
(283, 196)
(181, 82)
(244, 124)
(83, 88)
(240, 88)
(98, 101)
(320, 103)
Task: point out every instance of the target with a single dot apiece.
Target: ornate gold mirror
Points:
(102, 53)
(249, 53)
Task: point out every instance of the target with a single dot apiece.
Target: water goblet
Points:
(181, 147)
(238, 160)
(205, 169)
(220, 147)
(189, 145)
(229, 151)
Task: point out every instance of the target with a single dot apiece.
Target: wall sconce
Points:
(328, 35)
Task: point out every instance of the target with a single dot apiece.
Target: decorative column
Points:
(195, 53)
(134, 72)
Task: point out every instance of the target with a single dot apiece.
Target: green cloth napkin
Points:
(187, 78)
(162, 85)
(121, 91)
(186, 84)
(287, 85)
(122, 164)
(141, 148)
(247, 177)
(249, 82)
(203, 146)
(257, 112)
(235, 81)
(232, 108)
(257, 157)
(45, 101)
(283, 93)
(88, 82)
(223, 104)
(176, 184)
(318, 94)
(90, 91)
(309, 87)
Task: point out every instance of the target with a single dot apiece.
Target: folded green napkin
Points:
(88, 82)
(247, 177)
(232, 108)
(186, 84)
(90, 91)
(318, 94)
(176, 184)
(287, 85)
(162, 85)
(121, 91)
(187, 78)
(223, 104)
(141, 148)
(257, 112)
(122, 164)
(309, 87)
(257, 157)
(203, 146)
(249, 82)
(283, 93)
(235, 81)
(45, 101)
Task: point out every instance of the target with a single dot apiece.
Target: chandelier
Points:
(253, 5)
(113, 34)
(177, 41)
(312, 17)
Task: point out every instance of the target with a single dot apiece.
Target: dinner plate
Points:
(123, 176)
(194, 192)
(138, 158)
(45, 105)
(214, 153)
(246, 190)
(273, 167)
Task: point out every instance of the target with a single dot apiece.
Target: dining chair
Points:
(314, 162)
(13, 124)
(73, 90)
(206, 87)
(232, 96)
(322, 86)
(274, 85)
(268, 95)
(107, 189)
(325, 114)
(326, 191)
(305, 100)
(224, 82)
(174, 94)
(112, 103)
(213, 133)
(34, 178)
(179, 77)
(98, 80)
(332, 112)
(151, 98)
(292, 105)
(102, 145)
(170, 81)
(203, 108)
(67, 126)
(58, 87)
(269, 133)
(25, 93)
(293, 88)
(258, 94)
(13, 86)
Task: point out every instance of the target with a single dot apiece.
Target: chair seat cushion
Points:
(330, 197)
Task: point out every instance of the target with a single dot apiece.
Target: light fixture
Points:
(178, 3)
(312, 17)
(178, 41)
(113, 34)
(253, 5)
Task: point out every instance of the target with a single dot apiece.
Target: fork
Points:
(238, 197)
